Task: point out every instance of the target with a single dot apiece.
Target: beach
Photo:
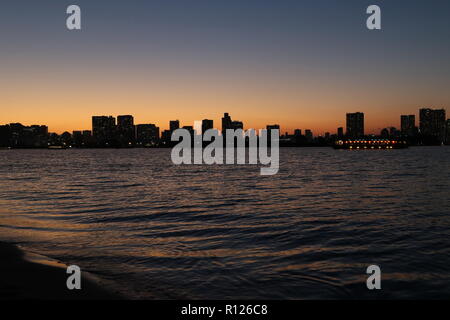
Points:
(22, 279)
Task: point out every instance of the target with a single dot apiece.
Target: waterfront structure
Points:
(206, 125)
(174, 125)
(355, 125)
(432, 124)
(126, 131)
(408, 125)
(104, 130)
(147, 135)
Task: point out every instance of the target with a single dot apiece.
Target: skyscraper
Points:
(408, 125)
(104, 130)
(126, 130)
(432, 123)
(174, 125)
(147, 134)
(226, 122)
(206, 125)
(355, 125)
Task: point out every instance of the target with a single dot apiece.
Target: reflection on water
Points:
(165, 231)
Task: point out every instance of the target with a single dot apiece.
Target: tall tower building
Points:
(432, 123)
(207, 124)
(126, 130)
(174, 125)
(408, 124)
(104, 130)
(226, 122)
(355, 125)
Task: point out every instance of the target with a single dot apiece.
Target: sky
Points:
(300, 64)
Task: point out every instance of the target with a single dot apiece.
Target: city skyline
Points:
(108, 131)
(218, 119)
(300, 64)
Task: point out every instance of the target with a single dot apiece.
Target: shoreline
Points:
(29, 276)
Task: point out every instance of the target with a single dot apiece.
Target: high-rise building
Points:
(408, 125)
(207, 124)
(126, 130)
(447, 130)
(340, 132)
(174, 125)
(309, 135)
(432, 123)
(355, 125)
(269, 129)
(226, 122)
(104, 130)
(147, 134)
(297, 132)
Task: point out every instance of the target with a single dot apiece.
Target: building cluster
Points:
(433, 129)
(16, 135)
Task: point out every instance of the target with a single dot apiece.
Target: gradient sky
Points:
(302, 64)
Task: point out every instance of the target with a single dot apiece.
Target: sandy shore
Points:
(21, 278)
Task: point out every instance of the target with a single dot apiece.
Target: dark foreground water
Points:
(210, 232)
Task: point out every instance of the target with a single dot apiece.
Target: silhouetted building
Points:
(77, 138)
(269, 129)
(87, 138)
(104, 130)
(447, 130)
(408, 125)
(190, 129)
(384, 133)
(147, 135)
(82, 139)
(309, 136)
(66, 139)
(340, 133)
(226, 122)
(235, 125)
(174, 125)
(17, 135)
(126, 132)
(206, 125)
(393, 132)
(5, 136)
(297, 132)
(355, 125)
(166, 138)
(432, 123)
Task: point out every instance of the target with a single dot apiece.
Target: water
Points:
(217, 232)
